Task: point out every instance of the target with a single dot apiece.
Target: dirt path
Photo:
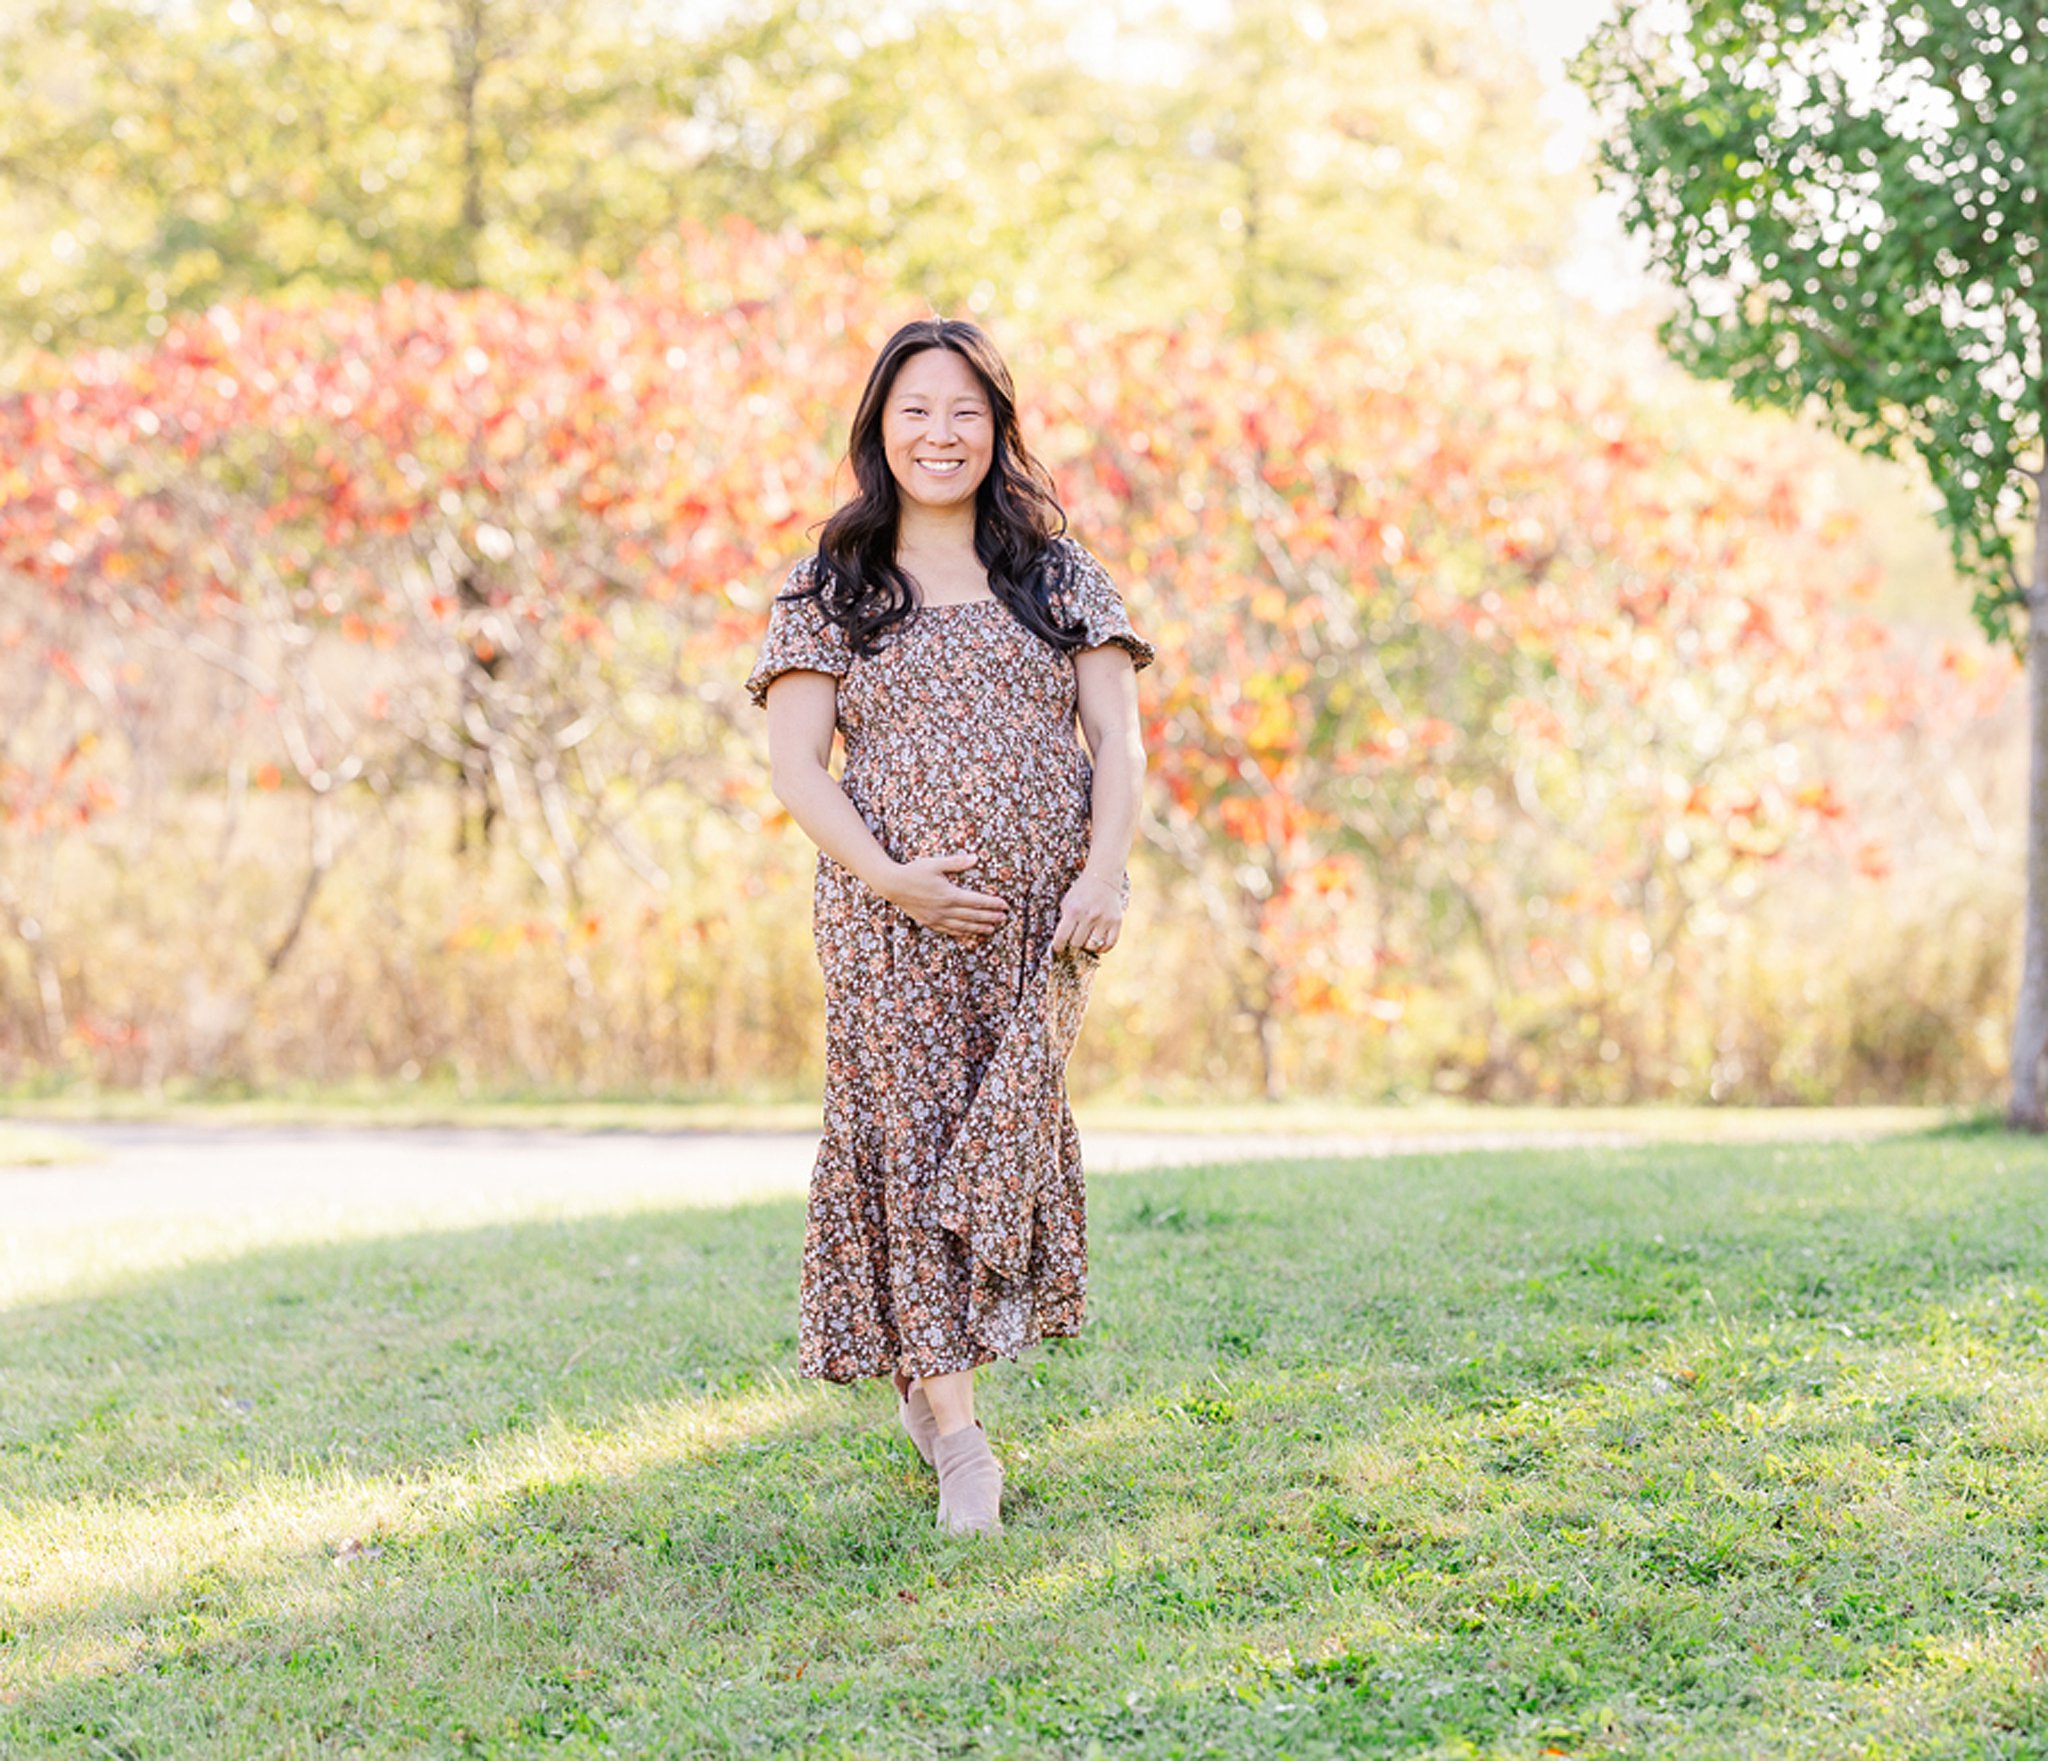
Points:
(150, 1173)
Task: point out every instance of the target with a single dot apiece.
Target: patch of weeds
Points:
(1474, 1384)
(1986, 1122)
(1517, 1595)
(1177, 1219)
(1204, 1409)
(1238, 1338)
(1525, 1456)
(1927, 1420)
(99, 1734)
(1389, 1319)
(1678, 1555)
(1353, 1669)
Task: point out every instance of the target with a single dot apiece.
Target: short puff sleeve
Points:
(1088, 592)
(800, 637)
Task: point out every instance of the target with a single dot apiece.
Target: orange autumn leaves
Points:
(1474, 647)
(1473, 635)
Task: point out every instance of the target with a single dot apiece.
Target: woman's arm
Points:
(803, 711)
(1116, 747)
(1092, 912)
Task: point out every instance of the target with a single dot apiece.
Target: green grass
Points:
(1707, 1450)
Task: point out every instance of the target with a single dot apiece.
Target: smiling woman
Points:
(947, 1218)
(936, 433)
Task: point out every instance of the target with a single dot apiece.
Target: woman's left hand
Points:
(1091, 916)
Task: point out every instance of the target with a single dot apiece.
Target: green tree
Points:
(1284, 165)
(1847, 197)
(155, 160)
(1327, 156)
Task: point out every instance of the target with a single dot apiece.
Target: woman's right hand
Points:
(921, 888)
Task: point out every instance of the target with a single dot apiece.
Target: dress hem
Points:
(979, 1360)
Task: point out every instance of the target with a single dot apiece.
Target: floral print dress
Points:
(947, 1220)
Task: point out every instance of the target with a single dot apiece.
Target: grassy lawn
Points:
(1715, 1450)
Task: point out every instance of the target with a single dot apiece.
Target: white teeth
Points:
(943, 467)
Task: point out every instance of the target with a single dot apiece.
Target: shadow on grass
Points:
(1716, 1447)
(1984, 1122)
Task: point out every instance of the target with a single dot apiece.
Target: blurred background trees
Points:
(1282, 163)
(1847, 201)
(414, 406)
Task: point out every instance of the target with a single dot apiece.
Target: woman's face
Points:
(938, 430)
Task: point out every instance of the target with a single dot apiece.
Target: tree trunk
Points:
(1272, 1081)
(476, 800)
(2030, 1029)
(465, 42)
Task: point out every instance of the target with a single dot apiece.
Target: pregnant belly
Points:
(1024, 829)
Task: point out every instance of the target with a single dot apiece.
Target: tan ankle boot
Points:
(914, 1414)
(970, 1482)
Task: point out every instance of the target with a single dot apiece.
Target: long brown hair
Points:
(1017, 516)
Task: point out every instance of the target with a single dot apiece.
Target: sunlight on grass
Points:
(1729, 1454)
(52, 1264)
(98, 1559)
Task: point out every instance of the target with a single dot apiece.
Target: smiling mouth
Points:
(943, 467)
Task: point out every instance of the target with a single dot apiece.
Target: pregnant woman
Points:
(970, 877)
